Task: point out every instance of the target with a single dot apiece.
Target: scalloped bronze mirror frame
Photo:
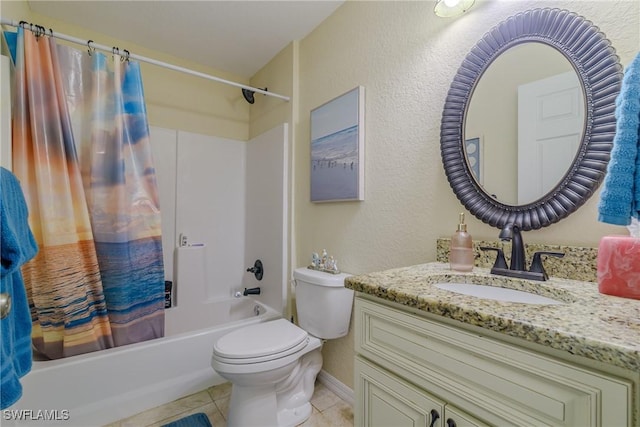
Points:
(600, 73)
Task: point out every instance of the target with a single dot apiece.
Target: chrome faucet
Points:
(517, 262)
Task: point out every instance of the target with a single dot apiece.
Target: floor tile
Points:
(171, 409)
(220, 391)
(315, 420)
(223, 405)
(211, 411)
(323, 398)
(339, 415)
(328, 409)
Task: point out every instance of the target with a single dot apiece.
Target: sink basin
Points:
(496, 293)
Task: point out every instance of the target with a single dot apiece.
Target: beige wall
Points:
(405, 57)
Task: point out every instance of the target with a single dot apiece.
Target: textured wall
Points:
(406, 57)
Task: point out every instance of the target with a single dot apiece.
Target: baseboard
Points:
(341, 390)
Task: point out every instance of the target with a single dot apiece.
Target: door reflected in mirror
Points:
(524, 124)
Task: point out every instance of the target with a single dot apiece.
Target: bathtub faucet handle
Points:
(251, 291)
(257, 269)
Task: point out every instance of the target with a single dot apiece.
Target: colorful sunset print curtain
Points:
(81, 151)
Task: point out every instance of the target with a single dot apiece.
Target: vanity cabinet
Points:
(387, 400)
(409, 365)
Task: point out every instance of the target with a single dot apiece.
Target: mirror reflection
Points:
(524, 124)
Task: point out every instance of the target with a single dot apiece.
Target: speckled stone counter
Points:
(589, 324)
(578, 263)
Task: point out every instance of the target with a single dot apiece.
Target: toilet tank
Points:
(323, 303)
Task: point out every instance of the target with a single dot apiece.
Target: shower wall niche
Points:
(230, 196)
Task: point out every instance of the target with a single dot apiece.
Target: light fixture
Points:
(451, 8)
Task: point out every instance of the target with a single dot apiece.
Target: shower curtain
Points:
(81, 151)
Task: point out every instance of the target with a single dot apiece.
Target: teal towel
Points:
(620, 196)
(17, 247)
(195, 420)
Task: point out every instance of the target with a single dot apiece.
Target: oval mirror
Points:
(529, 121)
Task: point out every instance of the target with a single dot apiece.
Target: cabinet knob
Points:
(434, 417)
(451, 423)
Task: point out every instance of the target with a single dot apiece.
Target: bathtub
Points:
(105, 386)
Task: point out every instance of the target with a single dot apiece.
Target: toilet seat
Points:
(261, 342)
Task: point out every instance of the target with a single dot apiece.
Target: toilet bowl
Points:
(272, 366)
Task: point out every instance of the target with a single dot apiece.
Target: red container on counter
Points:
(619, 266)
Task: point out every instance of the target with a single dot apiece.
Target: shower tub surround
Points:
(102, 387)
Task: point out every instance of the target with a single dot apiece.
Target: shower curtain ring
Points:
(115, 51)
(126, 57)
(39, 32)
(90, 49)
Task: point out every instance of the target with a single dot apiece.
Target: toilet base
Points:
(283, 403)
(293, 417)
(252, 406)
(257, 407)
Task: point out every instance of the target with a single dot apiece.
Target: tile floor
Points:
(328, 409)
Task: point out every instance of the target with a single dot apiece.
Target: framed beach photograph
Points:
(337, 148)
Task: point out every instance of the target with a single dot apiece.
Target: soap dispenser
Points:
(461, 248)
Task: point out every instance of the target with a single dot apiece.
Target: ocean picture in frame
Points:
(337, 149)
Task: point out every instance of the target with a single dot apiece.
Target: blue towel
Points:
(17, 247)
(620, 196)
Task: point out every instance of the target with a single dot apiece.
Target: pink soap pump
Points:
(461, 248)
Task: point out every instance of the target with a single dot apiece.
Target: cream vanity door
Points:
(385, 400)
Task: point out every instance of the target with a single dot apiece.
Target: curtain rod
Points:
(92, 45)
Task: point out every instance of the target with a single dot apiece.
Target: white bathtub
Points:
(102, 387)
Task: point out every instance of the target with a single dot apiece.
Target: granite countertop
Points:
(592, 325)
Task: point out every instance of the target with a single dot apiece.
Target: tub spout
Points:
(251, 291)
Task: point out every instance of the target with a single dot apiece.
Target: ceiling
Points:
(236, 36)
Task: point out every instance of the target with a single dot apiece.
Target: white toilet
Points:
(273, 365)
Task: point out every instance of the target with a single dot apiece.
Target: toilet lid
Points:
(260, 339)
